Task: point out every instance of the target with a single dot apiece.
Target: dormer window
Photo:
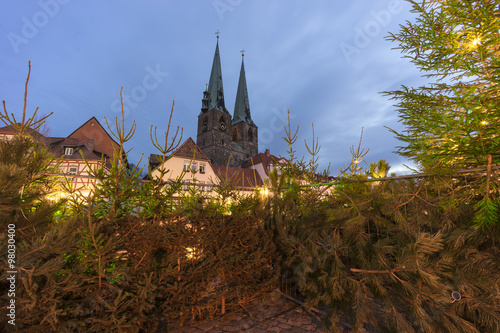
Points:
(68, 151)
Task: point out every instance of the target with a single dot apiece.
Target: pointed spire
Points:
(242, 105)
(215, 89)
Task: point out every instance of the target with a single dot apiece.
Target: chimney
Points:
(268, 153)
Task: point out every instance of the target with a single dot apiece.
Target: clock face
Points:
(222, 126)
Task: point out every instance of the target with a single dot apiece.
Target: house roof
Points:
(57, 147)
(93, 135)
(83, 140)
(98, 123)
(89, 155)
(188, 149)
(8, 130)
(238, 176)
(262, 158)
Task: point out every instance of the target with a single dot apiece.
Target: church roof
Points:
(215, 88)
(242, 105)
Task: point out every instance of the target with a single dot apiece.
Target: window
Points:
(250, 135)
(68, 151)
(72, 171)
(202, 167)
(190, 166)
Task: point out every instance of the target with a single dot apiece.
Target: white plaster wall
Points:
(175, 166)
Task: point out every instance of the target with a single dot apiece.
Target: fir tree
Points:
(454, 119)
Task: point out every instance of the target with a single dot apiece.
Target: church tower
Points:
(222, 138)
(244, 132)
(214, 121)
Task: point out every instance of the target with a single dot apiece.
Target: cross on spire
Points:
(217, 33)
(242, 52)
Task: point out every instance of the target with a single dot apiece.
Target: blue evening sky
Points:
(325, 61)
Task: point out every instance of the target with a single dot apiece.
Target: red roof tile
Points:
(238, 176)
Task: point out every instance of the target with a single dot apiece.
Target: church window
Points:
(250, 135)
(235, 134)
(205, 125)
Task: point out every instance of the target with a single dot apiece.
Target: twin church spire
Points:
(213, 97)
(225, 138)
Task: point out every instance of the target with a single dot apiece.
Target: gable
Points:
(93, 134)
(189, 149)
